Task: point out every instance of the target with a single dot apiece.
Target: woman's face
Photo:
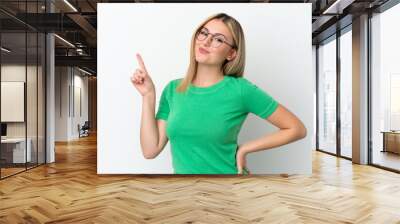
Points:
(206, 53)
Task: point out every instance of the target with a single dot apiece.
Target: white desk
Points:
(18, 149)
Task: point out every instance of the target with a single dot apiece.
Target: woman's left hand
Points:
(241, 160)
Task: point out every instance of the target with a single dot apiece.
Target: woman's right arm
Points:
(152, 132)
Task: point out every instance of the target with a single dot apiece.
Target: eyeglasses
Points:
(217, 39)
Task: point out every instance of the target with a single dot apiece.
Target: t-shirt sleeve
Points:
(256, 100)
(164, 105)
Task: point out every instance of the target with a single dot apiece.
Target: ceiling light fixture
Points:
(86, 72)
(64, 40)
(337, 7)
(5, 49)
(70, 5)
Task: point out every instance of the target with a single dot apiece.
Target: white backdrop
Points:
(278, 60)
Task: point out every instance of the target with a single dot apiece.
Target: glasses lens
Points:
(202, 35)
(217, 41)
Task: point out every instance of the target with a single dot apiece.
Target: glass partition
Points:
(14, 153)
(41, 87)
(327, 96)
(32, 94)
(22, 101)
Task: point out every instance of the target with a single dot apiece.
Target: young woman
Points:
(201, 114)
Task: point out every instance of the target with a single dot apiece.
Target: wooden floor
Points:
(387, 159)
(70, 191)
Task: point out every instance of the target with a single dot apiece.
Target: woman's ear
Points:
(231, 55)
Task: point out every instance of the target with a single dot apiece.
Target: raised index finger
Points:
(141, 63)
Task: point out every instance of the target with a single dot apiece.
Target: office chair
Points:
(84, 130)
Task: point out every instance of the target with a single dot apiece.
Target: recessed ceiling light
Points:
(5, 49)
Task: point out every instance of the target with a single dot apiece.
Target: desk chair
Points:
(84, 130)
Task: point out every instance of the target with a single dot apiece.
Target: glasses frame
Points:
(212, 37)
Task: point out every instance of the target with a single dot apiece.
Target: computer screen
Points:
(3, 129)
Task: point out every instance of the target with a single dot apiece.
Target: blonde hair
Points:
(234, 67)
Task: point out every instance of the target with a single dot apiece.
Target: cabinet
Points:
(391, 141)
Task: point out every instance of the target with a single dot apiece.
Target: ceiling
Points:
(76, 22)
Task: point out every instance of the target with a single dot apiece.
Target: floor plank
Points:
(70, 191)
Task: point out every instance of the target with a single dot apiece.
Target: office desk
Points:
(391, 141)
(15, 148)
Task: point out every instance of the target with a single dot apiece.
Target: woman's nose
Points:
(208, 40)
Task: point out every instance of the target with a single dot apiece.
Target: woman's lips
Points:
(203, 51)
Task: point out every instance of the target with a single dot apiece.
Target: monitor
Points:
(3, 129)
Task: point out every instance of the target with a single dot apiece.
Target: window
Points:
(385, 88)
(346, 93)
(327, 96)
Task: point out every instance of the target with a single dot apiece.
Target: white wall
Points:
(61, 103)
(67, 81)
(80, 82)
(278, 54)
(314, 73)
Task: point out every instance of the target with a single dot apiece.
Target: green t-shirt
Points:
(203, 123)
